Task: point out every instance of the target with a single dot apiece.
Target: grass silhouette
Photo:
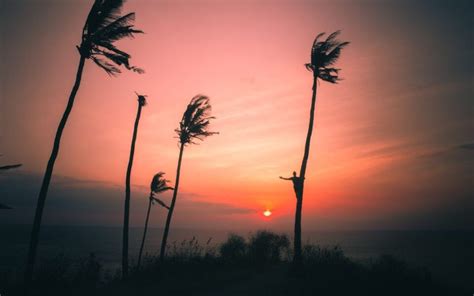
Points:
(257, 265)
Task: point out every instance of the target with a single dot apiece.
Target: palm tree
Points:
(157, 186)
(126, 214)
(194, 125)
(104, 26)
(324, 55)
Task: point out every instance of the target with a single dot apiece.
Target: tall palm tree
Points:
(194, 125)
(104, 26)
(126, 214)
(157, 186)
(324, 54)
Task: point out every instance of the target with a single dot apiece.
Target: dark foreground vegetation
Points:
(258, 265)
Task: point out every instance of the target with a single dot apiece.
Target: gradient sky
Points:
(392, 146)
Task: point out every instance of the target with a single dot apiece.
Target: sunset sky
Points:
(393, 142)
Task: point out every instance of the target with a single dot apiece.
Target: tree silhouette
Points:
(194, 125)
(324, 54)
(126, 214)
(104, 26)
(157, 186)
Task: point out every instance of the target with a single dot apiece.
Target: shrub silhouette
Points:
(265, 246)
(89, 272)
(190, 269)
(234, 249)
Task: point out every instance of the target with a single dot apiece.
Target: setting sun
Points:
(267, 213)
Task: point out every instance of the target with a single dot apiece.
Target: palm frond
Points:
(109, 46)
(195, 121)
(104, 26)
(325, 53)
(110, 11)
(159, 184)
(334, 54)
(118, 59)
(9, 167)
(108, 67)
(103, 12)
(160, 202)
(120, 27)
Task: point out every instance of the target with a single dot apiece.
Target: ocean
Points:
(449, 255)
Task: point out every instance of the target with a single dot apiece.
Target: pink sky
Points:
(387, 150)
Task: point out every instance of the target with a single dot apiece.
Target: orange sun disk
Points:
(267, 213)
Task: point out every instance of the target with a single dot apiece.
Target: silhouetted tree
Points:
(194, 125)
(104, 26)
(157, 186)
(324, 55)
(126, 213)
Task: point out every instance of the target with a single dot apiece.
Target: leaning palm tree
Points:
(158, 185)
(324, 55)
(194, 125)
(104, 25)
(126, 214)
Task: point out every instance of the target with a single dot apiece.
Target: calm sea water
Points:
(449, 255)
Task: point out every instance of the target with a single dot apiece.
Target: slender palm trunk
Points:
(144, 232)
(126, 213)
(299, 195)
(47, 177)
(171, 209)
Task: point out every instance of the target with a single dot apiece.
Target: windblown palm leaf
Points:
(104, 26)
(9, 167)
(159, 184)
(195, 121)
(324, 55)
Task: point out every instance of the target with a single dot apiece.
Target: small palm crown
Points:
(141, 100)
(195, 121)
(104, 26)
(159, 185)
(324, 54)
